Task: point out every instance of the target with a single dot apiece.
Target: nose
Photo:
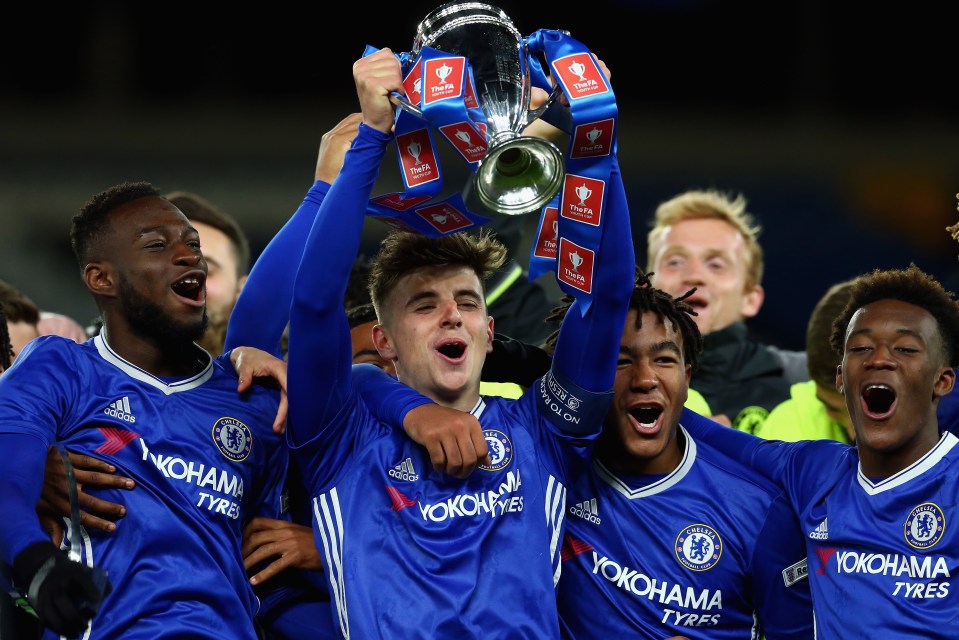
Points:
(183, 253)
(693, 272)
(881, 358)
(642, 378)
(451, 315)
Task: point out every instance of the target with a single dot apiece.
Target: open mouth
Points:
(878, 401)
(646, 418)
(452, 349)
(190, 287)
(696, 302)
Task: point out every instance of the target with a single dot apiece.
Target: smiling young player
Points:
(878, 517)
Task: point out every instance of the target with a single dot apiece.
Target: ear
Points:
(944, 382)
(489, 335)
(839, 386)
(752, 300)
(383, 343)
(689, 373)
(240, 282)
(98, 276)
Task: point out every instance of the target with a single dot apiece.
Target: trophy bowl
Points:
(519, 174)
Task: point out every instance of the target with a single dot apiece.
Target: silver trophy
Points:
(519, 174)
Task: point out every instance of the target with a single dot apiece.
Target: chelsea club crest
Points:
(924, 526)
(233, 439)
(500, 450)
(698, 547)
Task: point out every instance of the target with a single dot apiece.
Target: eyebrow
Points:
(663, 345)
(424, 295)
(903, 331)
(160, 228)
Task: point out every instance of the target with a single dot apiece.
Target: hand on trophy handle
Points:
(376, 76)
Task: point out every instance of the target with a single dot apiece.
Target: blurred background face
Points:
(364, 351)
(222, 282)
(835, 406)
(711, 256)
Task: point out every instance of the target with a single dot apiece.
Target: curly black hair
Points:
(912, 286)
(646, 297)
(6, 349)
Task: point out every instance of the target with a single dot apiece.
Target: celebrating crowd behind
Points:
(318, 443)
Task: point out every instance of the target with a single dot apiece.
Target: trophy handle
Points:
(403, 103)
(533, 114)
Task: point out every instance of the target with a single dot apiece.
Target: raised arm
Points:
(588, 346)
(320, 355)
(270, 285)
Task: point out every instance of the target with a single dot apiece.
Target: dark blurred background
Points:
(837, 121)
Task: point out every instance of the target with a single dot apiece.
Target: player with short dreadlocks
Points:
(655, 505)
(646, 297)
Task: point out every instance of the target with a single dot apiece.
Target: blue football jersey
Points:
(204, 459)
(881, 553)
(709, 551)
(378, 504)
(410, 552)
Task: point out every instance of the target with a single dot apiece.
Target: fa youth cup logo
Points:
(583, 193)
(578, 69)
(414, 148)
(443, 72)
(576, 260)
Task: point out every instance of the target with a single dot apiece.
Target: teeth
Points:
(878, 386)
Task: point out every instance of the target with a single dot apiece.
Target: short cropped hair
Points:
(402, 253)
(821, 358)
(912, 286)
(199, 209)
(709, 204)
(91, 223)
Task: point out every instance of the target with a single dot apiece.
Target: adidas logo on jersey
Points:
(588, 510)
(121, 410)
(821, 532)
(404, 471)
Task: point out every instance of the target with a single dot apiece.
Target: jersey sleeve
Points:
(35, 394)
(767, 457)
(780, 577)
(270, 283)
(588, 345)
(388, 399)
(320, 354)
